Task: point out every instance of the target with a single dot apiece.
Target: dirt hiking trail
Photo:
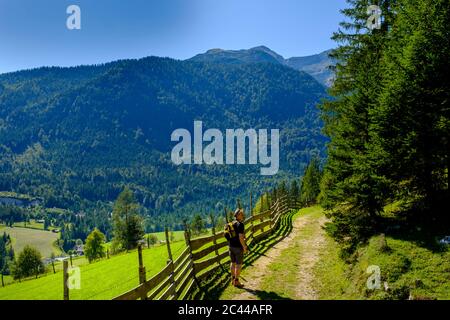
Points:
(309, 244)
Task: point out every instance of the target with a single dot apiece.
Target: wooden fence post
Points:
(271, 216)
(216, 251)
(66, 279)
(169, 251)
(279, 213)
(251, 205)
(3, 282)
(274, 214)
(262, 201)
(187, 237)
(251, 215)
(142, 271)
(214, 232)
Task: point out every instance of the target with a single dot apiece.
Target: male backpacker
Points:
(235, 235)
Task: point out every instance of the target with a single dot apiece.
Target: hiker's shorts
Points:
(237, 255)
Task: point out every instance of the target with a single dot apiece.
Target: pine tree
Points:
(127, 223)
(412, 121)
(294, 193)
(53, 257)
(3, 253)
(282, 189)
(354, 186)
(198, 225)
(310, 188)
(389, 118)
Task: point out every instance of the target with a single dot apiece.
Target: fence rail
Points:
(202, 257)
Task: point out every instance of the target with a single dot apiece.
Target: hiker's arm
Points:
(242, 240)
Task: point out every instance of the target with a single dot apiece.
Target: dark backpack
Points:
(230, 231)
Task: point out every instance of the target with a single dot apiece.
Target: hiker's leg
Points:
(233, 270)
(238, 271)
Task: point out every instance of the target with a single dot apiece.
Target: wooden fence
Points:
(202, 257)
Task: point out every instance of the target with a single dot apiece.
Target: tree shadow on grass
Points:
(424, 235)
(264, 295)
(424, 225)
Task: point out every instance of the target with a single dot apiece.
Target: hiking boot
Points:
(237, 284)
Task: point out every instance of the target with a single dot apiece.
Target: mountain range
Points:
(76, 136)
(317, 65)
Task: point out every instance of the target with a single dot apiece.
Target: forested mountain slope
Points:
(76, 136)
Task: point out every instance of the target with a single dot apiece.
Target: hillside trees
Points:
(310, 187)
(28, 263)
(3, 252)
(152, 240)
(198, 225)
(389, 118)
(294, 190)
(75, 136)
(94, 247)
(127, 222)
(6, 254)
(411, 123)
(353, 193)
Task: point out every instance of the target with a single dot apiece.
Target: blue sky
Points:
(33, 33)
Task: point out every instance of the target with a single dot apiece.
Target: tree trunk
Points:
(448, 175)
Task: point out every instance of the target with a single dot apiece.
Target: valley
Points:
(76, 136)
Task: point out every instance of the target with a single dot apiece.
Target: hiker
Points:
(238, 247)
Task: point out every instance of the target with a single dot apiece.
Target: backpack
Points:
(230, 231)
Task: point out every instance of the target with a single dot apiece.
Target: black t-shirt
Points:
(239, 228)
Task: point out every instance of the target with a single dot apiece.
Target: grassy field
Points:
(410, 269)
(101, 280)
(330, 275)
(32, 224)
(178, 236)
(40, 239)
(407, 267)
(7, 280)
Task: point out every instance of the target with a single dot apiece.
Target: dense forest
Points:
(75, 137)
(389, 123)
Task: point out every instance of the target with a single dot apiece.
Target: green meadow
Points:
(102, 280)
(42, 240)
